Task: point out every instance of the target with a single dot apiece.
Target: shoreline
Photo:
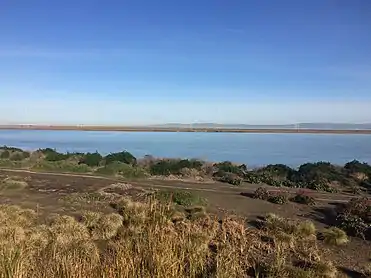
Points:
(182, 129)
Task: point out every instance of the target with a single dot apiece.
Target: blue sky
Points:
(146, 62)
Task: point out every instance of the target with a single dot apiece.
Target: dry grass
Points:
(152, 239)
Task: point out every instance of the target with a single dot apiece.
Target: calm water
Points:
(252, 149)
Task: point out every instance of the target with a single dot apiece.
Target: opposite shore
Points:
(182, 129)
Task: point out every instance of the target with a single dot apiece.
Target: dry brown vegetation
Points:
(152, 239)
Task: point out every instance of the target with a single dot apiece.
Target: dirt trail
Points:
(205, 187)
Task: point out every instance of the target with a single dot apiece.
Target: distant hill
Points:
(335, 126)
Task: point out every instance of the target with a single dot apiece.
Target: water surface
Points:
(252, 149)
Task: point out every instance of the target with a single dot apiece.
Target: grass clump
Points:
(335, 236)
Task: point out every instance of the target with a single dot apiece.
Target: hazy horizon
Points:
(152, 62)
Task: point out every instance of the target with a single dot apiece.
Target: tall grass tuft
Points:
(148, 239)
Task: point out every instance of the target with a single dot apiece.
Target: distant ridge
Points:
(328, 126)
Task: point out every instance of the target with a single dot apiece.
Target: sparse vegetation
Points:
(320, 176)
(148, 240)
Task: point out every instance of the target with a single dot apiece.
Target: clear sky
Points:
(146, 61)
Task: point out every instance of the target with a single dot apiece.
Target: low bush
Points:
(335, 236)
(353, 225)
(303, 198)
(91, 159)
(56, 156)
(231, 178)
(261, 193)
(168, 167)
(278, 198)
(124, 157)
(360, 207)
(11, 149)
(180, 197)
(122, 169)
(61, 166)
(18, 156)
(229, 167)
(5, 154)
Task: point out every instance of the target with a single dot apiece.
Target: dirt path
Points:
(220, 188)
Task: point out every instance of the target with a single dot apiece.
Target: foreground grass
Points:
(153, 239)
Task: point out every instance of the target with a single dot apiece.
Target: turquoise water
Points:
(252, 149)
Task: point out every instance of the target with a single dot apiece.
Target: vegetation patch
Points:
(180, 197)
(335, 236)
(13, 184)
(303, 198)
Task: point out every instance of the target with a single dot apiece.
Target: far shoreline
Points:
(182, 129)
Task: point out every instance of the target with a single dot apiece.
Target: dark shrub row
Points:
(168, 167)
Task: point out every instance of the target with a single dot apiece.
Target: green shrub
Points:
(168, 167)
(52, 155)
(18, 156)
(124, 157)
(11, 149)
(303, 198)
(122, 169)
(261, 193)
(231, 178)
(278, 198)
(91, 159)
(61, 166)
(357, 167)
(5, 154)
(352, 224)
(180, 197)
(277, 170)
(227, 166)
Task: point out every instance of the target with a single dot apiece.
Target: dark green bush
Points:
(357, 167)
(56, 156)
(180, 197)
(277, 170)
(5, 154)
(91, 159)
(11, 149)
(19, 156)
(231, 178)
(278, 198)
(303, 198)
(124, 157)
(173, 167)
(227, 166)
(320, 171)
